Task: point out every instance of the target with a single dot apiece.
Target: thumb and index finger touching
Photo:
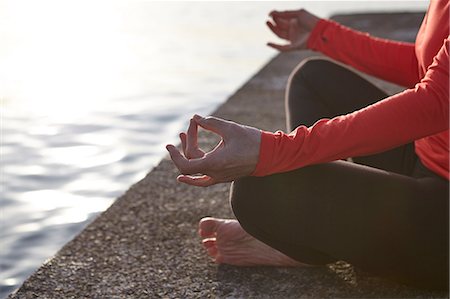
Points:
(213, 124)
(189, 141)
(185, 165)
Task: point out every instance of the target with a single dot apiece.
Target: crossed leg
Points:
(384, 223)
(379, 218)
(306, 102)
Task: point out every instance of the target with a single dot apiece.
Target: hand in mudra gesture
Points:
(235, 156)
(294, 26)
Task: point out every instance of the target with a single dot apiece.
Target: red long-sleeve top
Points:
(419, 114)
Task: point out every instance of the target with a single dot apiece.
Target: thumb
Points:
(214, 124)
(281, 48)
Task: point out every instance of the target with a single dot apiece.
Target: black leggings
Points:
(386, 214)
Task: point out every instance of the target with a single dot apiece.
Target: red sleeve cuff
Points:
(266, 150)
(317, 38)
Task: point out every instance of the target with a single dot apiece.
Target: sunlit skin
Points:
(292, 26)
(227, 243)
(224, 239)
(236, 156)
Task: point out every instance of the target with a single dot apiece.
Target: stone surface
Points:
(146, 245)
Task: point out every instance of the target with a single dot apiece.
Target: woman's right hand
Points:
(234, 157)
(294, 26)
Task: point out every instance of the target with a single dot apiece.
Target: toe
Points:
(210, 245)
(212, 251)
(209, 242)
(219, 259)
(208, 226)
(206, 234)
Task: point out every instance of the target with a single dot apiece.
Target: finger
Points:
(183, 142)
(277, 30)
(199, 181)
(176, 156)
(184, 165)
(191, 140)
(282, 48)
(214, 124)
(284, 14)
(282, 23)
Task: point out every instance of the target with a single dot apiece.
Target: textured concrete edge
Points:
(274, 84)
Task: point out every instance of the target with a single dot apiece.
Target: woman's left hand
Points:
(293, 26)
(235, 156)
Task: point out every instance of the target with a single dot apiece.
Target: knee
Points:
(305, 100)
(303, 83)
(309, 69)
(243, 198)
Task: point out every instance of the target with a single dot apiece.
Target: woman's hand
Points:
(292, 26)
(235, 156)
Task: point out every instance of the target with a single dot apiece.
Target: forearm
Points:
(390, 60)
(358, 134)
(399, 119)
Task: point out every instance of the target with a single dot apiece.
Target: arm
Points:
(402, 118)
(390, 60)
(243, 150)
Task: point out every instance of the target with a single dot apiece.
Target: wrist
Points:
(315, 39)
(265, 153)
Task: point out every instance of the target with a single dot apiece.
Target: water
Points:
(91, 91)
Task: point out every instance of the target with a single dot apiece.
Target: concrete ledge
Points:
(146, 246)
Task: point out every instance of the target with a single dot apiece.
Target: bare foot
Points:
(227, 243)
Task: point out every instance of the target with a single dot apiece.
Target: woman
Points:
(297, 201)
